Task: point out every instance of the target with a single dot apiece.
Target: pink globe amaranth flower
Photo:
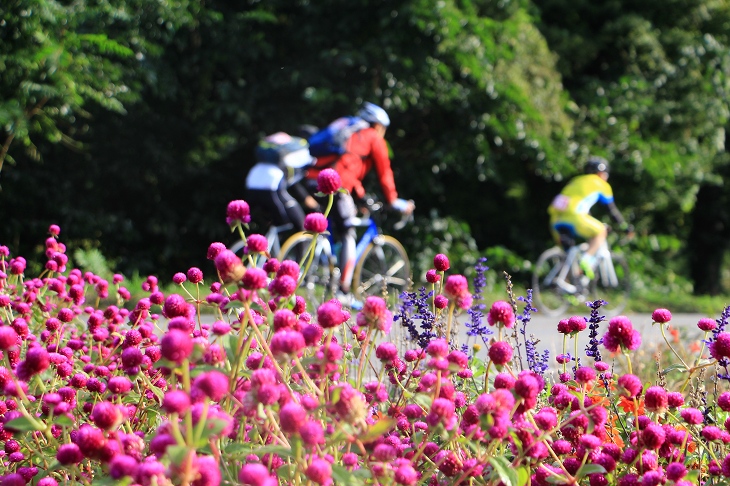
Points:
(254, 278)
(69, 454)
(707, 324)
(653, 436)
(8, 337)
(504, 380)
(577, 324)
(283, 285)
(675, 399)
(455, 286)
(328, 181)
(330, 315)
(319, 472)
(723, 401)
(432, 276)
(441, 262)
(176, 346)
(288, 267)
(220, 328)
(54, 230)
(661, 316)
(214, 249)
(176, 401)
(711, 433)
(106, 415)
(500, 353)
(119, 385)
(315, 222)
(655, 399)
(601, 366)
(286, 343)
(256, 243)
(285, 319)
(312, 433)
(386, 352)
(179, 278)
(256, 475)
(720, 347)
(37, 360)
(90, 440)
(209, 473)
(631, 385)
(440, 301)
(675, 471)
(122, 465)
(175, 306)
(585, 375)
(238, 211)
(229, 266)
(406, 475)
(438, 348)
(195, 275)
(212, 384)
(501, 313)
(291, 417)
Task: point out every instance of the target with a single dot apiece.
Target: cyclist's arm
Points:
(617, 216)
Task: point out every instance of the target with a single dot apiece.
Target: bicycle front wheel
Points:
(383, 269)
(550, 299)
(318, 282)
(612, 284)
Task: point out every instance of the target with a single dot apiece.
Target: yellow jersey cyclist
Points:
(570, 210)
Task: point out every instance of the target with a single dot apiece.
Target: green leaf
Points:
(378, 429)
(23, 424)
(349, 478)
(503, 468)
(674, 367)
(63, 420)
(178, 453)
(587, 469)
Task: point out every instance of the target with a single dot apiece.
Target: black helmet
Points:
(596, 164)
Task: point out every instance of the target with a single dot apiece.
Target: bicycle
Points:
(558, 282)
(382, 266)
(272, 237)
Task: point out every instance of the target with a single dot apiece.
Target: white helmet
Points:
(374, 114)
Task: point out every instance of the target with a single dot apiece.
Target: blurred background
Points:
(132, 123)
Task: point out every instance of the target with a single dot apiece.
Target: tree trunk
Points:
(708, 239)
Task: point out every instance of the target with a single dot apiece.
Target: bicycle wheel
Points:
(318, 282)
(549, 298)
(383, 269)
(612, 284)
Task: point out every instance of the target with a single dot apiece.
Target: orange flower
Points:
(675, 334)
(628, 405)
(695, 347)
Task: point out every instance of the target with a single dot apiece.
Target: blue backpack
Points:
(332, 140)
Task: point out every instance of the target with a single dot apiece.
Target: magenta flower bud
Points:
(8, 337)
(229, 266)
(330, 315)
(315, 222)
(287, 342)
(131, 357)
(500, 353)
(504, 380)
(54, 230)
(220, 328)
(707, 324)
(176, 401)
(675, 399)
(312, 433)
(328, 181)
(319, 471)
(291, 417)
(195, 275)
(720, 348)
(441, 262)
(432, 276)
(214, 249)
(631, 384)
(238, 211)
(576, 324)
(254, 278)
(585, 375)
(257, 243)
(176, 346)
(406, 475)
(661, 316)
(655, 399)
(256, 474)
(440, 301)
(501, 313)
(69, 454)
(122, 465)
(175, 306)
(119, 385)
(386, 352)
(37, 360)
(213, 384)
(106, 415)
(179, 278)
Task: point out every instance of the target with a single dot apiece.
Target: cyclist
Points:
(280, 160)
(365, 149)
(569, 210)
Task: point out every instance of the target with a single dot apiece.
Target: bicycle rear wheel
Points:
(318, 282)
(550, 299)
(383, 269)
(612, 284)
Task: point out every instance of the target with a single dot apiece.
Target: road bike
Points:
(382, 266)
(559, 283)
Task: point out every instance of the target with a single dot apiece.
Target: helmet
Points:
(283, 148)
(596, 164)
(373, 114)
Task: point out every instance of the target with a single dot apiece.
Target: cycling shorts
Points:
(581, 225)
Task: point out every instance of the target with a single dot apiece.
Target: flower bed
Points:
(274, 392)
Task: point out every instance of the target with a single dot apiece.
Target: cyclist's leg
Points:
(344, 209)
(592, 230)
(292, 211)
